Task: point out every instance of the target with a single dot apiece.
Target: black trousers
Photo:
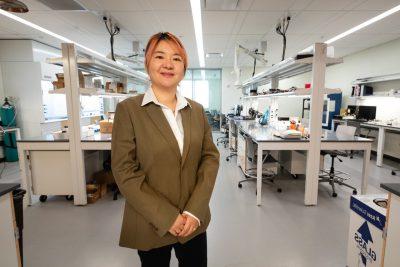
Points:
(191, 254)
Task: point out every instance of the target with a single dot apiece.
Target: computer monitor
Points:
(366, 113)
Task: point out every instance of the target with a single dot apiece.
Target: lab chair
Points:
(225, 130)
(251, 174)
(333, 176)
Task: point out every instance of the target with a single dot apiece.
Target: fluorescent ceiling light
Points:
(37, 27)
(198, 30)
(364, 24)
(358, 27)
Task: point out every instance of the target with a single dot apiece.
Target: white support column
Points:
(380, 146)
(317, 101)
(365, 170)
(274, 83)
(72, 93)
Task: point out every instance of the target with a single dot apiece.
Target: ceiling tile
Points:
(337, 5)
(169, 22)
(312, 22)
(170, 5)
(378, 5)
(215, 43)
(215, 22)
(279, 5)
(116, 5)
(260, 22)
(138, 22)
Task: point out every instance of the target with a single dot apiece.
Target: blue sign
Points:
(369, 214)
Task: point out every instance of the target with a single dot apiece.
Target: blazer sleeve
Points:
(206, 175)
(154, 207)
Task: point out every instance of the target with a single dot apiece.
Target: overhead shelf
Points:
(383, 78)
(286, 69)
(300, 92)
(92, 92)
(105, 67)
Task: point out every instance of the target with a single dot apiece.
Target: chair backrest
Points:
(345, 130)
(251, 148)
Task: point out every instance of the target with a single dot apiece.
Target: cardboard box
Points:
(110, 87)
(120, 88)
(103, 190)
(92, 192)
(106, 126)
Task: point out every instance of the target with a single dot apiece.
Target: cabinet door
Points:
(8, 244)
(51, 172)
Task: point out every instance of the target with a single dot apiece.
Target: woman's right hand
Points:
(178, 225)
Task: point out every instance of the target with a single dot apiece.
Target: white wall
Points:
(230, 94)
(379, 60)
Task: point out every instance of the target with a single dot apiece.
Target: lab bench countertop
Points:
(392, 188)
(394, 126)
(7, 188)
(267, 134)
(97, 137)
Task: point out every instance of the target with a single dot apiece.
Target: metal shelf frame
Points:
(289, 68)
(285, 69)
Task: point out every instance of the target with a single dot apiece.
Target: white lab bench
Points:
(45, 163)
(266, 140)
(382, 128)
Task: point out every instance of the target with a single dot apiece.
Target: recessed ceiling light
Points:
(214, 55)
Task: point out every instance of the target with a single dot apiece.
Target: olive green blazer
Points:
(156, 181)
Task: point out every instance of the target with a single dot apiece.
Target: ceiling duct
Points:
(221, 4)
(69, 5)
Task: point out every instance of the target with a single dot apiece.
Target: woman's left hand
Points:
(190, 226)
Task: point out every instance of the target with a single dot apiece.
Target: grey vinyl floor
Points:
(281, 232)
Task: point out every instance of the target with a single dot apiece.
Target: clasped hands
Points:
(184, 225)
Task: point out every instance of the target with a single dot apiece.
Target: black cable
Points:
(254, 67)
(281, 29)
(112, 30)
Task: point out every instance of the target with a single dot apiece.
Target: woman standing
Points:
(165, 163)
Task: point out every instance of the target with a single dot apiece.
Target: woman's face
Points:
(166, 67)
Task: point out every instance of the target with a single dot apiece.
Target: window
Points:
(203, 86)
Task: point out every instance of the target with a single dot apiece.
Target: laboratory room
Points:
(194, 133)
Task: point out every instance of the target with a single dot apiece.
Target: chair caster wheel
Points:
(334, 195)
(43, 198)
(393, 173)
(240, 185)
(279, 190)
(354, 192)
(69, 198)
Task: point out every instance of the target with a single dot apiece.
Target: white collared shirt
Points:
(174, 120)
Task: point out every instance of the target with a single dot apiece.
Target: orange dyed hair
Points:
(166, 36)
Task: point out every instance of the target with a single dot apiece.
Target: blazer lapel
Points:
(157, 116)
(186, 121)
